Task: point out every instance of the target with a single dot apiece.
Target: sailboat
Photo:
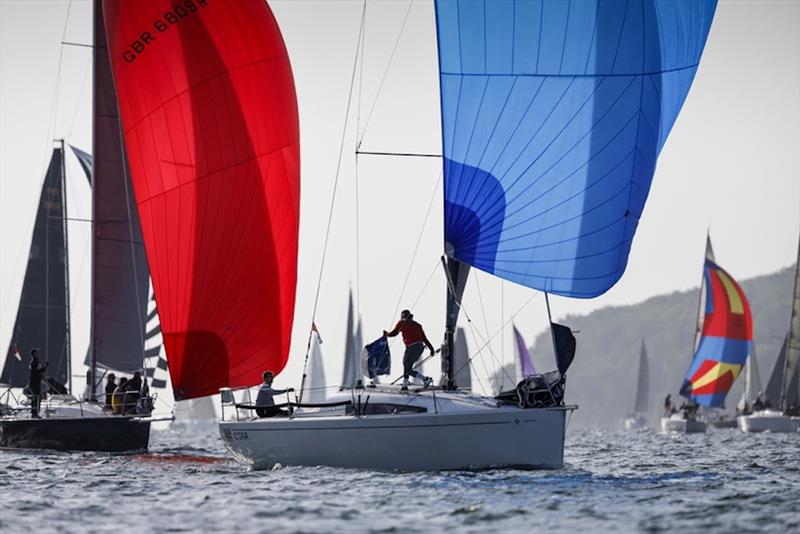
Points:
(119, 290)
(353, 368)
(550, 139)
(638, 419)
(779, 411)
(724, 338)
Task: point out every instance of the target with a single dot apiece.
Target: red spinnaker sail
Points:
(209, 116)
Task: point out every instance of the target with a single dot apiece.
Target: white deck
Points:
(456, 430)
(767, 421)
(678, 423)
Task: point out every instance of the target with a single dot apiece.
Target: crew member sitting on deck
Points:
(133, 392)
(265, 404)
(415, 341)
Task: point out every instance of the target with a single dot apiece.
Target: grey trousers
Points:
(412, 354)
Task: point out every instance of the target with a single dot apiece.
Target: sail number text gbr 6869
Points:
(161, 25)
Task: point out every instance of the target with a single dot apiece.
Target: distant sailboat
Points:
(724, 340)
(752, 384)
(316, 372)
(638, 419)
(119, 291)
(546, 173)
(780, 408)
(353, 369)
(461, 360)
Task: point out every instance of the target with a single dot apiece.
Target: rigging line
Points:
(501, 329)
(386, 72)
(483, 312)
(399, 154)
(333, 200)
(139, 314)
(416, 248)
(355, 167)
(80, 94)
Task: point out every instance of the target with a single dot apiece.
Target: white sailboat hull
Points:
(454, 435)
(767, 421)
(676, 423)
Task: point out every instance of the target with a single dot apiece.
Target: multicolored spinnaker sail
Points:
(727, 339)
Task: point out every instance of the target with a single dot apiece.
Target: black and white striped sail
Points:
(43, 314)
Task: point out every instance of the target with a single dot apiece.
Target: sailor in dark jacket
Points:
(111, 385)
(35, 382)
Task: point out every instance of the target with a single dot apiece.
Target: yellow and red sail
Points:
(725, 342)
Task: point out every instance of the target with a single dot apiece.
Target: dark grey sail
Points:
(772, 395)
(643, 383)
(119, 266)
(791, 384)
(461, 361)
(43, 314)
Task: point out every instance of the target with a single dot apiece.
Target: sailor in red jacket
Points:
(415, 341)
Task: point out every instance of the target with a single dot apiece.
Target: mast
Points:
(97, 25)
(67, 339)
(456, 273)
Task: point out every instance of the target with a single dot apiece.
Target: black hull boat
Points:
(101, 433)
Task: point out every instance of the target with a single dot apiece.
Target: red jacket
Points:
(412, 333)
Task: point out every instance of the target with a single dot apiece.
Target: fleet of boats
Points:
(550, 138)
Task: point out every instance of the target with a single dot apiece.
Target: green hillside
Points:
(602, 379)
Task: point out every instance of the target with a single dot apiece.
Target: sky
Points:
(730, 166)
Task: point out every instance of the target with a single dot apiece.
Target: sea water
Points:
(613, 481)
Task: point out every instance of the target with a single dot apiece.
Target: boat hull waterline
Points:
(504, 437)
(101, 433)
(767, 421)
(680, 424)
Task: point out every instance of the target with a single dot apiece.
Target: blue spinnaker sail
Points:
(553, 115)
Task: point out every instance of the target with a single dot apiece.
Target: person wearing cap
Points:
(111, 385)
(35, 382)
(415, 341)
